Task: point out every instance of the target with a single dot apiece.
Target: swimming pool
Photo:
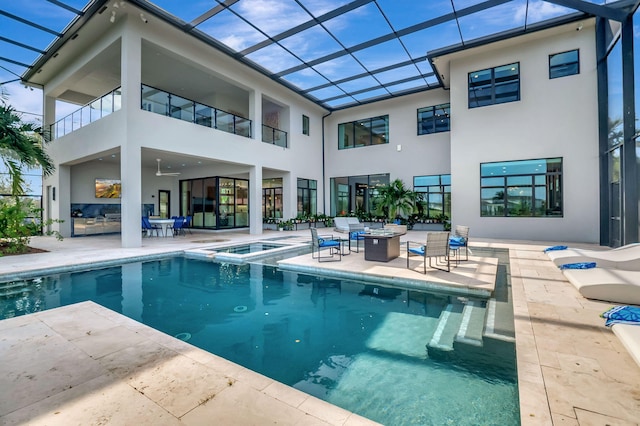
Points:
(359, 346)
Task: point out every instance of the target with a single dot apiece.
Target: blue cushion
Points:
(554, 248)
(417, 250)
(356, 235)
(622, 315)
(578, 265)
(456, 242)
(329, 243)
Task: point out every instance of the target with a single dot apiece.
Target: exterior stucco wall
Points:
(554, 118)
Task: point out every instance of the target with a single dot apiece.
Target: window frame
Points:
(527, 182)
(433, 120)
(564, 65)
(492, 87)
(306, 125)
(307, 196)
(352, 134)
(441, 188)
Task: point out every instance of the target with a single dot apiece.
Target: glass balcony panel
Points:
(181, 108)
(76, 120)
(107, 105)
(85, 116)
(95, 110)
(243, 126)
(117, 99)
(224, 121)
(267, 134)
(155, 100)
(204, 115)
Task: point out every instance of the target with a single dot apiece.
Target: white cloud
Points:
(25, 100)
(540, 10)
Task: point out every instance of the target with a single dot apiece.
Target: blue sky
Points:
(313, 45)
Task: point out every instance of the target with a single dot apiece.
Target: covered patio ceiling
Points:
(338, 53)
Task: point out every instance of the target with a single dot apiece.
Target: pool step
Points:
(472, 324)
(446, 330)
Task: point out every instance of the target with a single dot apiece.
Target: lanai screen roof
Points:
(338, 53)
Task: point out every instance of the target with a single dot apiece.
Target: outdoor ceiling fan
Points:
(159, 173)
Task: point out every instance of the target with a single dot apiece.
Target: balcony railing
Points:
(93, 111)
(165, 103)
(274, 136)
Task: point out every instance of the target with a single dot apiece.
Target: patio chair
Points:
(356, 233)
(319, 242)
(148, 228)
(460, 240)
(437, 245)
(178, 226)
(187, 223)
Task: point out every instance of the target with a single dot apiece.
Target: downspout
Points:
(324, 186)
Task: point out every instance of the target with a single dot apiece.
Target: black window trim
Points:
(560, 53)
(493, 85)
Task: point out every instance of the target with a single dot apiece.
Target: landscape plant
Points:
(395, 201)
(21, 147)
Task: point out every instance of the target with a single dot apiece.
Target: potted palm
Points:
(395, 201)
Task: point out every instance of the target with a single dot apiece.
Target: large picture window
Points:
(433, 119)
(436, 195)
(494, 85)
(370, 131)
(521, 188)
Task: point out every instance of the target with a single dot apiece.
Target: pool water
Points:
(248, 248)
(358, 346)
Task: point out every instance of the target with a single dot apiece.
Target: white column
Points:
(255, 114)
(130, 151)
(255, 199)
(61, 206)
(289, 196)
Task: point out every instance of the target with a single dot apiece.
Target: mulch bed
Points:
(30, 250)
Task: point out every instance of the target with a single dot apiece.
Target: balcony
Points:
(274, 136)
(93, 111)
(170, 105)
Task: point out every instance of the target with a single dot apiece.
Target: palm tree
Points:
(395, 200)
(21, 145)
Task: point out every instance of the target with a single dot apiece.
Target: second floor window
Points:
(305, 125)
(494, 85)
(370, 131)
(564, 64)
(433, 119)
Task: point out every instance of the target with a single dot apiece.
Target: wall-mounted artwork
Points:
(108, 188)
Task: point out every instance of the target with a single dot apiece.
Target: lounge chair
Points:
(319, 242)
(608, 284)
(437, 245)
(629, 335)
(341, 224)
(626, 257)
